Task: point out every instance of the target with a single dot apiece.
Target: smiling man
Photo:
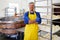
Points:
(31, 19)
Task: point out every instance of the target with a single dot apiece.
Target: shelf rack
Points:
(47, 13)
(7, 11)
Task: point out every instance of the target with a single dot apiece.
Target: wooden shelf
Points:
(55, 22)
(56, 12)
(43, 6)
(46, 19)
(50, 12)
(56, 6)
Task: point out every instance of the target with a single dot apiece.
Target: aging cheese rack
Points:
(47, 8)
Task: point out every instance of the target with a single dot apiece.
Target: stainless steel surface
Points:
(51, 21)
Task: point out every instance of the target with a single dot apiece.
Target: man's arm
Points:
(38, 19)
(26, 19)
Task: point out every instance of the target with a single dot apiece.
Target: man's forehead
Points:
(31, 4)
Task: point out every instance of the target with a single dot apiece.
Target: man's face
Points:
(31, 7)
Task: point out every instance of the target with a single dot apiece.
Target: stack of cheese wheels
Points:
(59, 16)
(41, 38)
(54, 37)
(10, 29)
(56, 16)
(55, 28)
(47, 28)
(0, 28)
(48, 16)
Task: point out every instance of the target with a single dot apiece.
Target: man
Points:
(31, 19)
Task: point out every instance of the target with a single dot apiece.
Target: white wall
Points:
(4, 3)
(23, 4)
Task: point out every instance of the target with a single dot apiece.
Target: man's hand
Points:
(32, 21)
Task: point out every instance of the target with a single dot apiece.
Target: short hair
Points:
(31, 3)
